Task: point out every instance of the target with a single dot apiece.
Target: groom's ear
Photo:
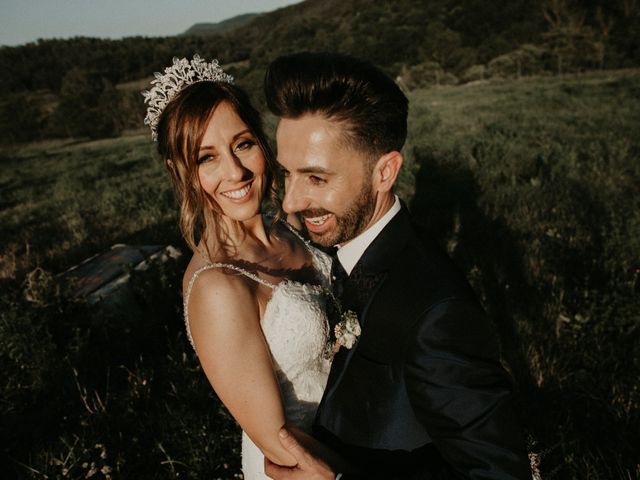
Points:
(386, 171)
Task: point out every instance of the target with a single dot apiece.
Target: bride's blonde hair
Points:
(181, 128)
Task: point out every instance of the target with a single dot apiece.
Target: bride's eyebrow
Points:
(234, 138)
(206, 147)
(239, 134)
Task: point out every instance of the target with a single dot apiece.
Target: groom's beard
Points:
(349, 224)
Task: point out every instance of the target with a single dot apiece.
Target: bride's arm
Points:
(224, 320)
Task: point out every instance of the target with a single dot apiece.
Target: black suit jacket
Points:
(422, 395)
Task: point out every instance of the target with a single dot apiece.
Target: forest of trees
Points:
(73, 87)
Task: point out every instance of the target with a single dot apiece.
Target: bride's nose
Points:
(234, 169)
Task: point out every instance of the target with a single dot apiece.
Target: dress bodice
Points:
(296, 329)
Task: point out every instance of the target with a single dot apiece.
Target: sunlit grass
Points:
(62, 201)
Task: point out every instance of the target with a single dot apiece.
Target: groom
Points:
(421, 395)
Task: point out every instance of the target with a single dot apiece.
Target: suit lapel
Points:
(358, 290)
(366, 278)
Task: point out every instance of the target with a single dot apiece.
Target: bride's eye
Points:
(205, 158)
(245, 145)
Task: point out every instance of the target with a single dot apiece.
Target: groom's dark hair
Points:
(341, 88)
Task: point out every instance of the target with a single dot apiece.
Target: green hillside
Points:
(427, 42)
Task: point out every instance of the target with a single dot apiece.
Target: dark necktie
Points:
(338, 277)
(353, 290)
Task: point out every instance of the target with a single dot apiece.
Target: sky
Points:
(23, 21)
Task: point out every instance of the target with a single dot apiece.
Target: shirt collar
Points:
(350, 252)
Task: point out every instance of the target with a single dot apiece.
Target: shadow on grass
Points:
(562, 403)
(446, 203)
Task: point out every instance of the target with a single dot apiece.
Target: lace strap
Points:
(321, 260)
(296, 233)
(196, 274)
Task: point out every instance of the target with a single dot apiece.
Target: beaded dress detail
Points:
(296, 329)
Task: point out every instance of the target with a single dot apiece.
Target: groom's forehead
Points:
(308, 135)
(315, 131)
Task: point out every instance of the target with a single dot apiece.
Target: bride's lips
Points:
(239, 195)
(319, 224)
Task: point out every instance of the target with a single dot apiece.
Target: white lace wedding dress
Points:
(296, 329)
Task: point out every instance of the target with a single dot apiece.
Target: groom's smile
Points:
(316, 222)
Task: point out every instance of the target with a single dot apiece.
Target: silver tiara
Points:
(166, 85)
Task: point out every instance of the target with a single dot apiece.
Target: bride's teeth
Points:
(237, 194)
(318, 220)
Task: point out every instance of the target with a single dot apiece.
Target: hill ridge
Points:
(223, 26)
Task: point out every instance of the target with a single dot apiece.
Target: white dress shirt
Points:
(350, 252)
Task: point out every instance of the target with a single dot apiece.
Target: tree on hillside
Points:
(20, 118)
(625, 37)
(605, 24)
(442, 43)
(572, 42)
(528, 59)
(89, 106)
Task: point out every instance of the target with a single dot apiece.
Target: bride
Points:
(254, 295)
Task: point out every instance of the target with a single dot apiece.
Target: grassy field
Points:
(532, 186)
(62, 201)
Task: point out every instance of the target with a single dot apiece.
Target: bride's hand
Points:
(309, 465)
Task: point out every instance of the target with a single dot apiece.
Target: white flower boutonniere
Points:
(347, 330)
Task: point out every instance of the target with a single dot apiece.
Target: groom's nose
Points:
(294, 196)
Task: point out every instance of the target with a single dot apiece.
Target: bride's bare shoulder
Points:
(214, 285)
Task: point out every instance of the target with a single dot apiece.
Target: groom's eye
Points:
(315, 180)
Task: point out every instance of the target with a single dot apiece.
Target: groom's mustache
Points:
(314, 212)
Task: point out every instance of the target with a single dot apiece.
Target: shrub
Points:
(473, 73)
(426, 74)
(526, 60)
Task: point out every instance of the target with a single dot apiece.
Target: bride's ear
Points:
(386, 171)
(170, 165)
